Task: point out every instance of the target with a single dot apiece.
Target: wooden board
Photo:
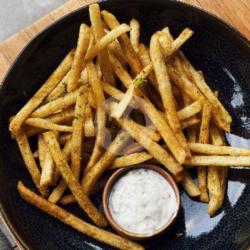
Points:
(236, 12)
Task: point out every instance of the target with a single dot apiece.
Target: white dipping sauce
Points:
(142, 201)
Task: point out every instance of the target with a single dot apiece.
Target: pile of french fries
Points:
(113, 102)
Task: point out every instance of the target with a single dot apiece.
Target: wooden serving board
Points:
(235, 12)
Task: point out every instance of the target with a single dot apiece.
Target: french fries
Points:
(76, 223)
(131, 159)
(41, 94)
(160, 111)
(81, 50)
(135, 34)
(98, 30)
(71, 181)
(77, 134)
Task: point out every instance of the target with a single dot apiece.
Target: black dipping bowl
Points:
(217, 49)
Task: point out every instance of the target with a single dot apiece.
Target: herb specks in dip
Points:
(142, 201)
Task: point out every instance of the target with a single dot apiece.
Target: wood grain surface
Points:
(235, 12)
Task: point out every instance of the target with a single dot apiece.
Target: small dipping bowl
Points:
(106, 206)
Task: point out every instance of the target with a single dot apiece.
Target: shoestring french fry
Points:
(60, 117)
(93, 174)
(77, 65)
(216, 177)
(189, 186)
(58, 191)
(190, 122)
(131, 159)
(100, 115)
(47, 170)
(56, 105)
(204, 138)
(98, 31)
(127, 48)
(77, 134)
(41, 150)
(29, 160)
(89, 127)
(72, 182)
(135, 34)
(59, 90)
(209, 149)
(41, 94)
(143, 53)
(218, 161)
(116, 49)
(75, 222)
(47, 125)
(105, 40)
(189, 111)
(91, 99)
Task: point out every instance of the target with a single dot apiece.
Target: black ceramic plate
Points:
(224, 56)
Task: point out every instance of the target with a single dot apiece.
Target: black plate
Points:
(217, 49)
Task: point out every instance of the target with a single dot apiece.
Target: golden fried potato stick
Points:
(135, 34)
(154, 115)
(190, 122)
(144, 56)
(170, 46)
(100, 114)
(75, 222)
(47, 173)
(77, 134)
(47, 125)
(41, 94)
(71, 181)
(204, 138)
(105, 40)
(189, 111)
(127, 48)
(131, 159)
(59, 90)
(89, 127)
(217, 177)
(98, 30)
(218, 161)
(158, 152)
(58, 191)
(116, 49)
(90, 179)
(29, 160)
(41, 150)
(209, 149)
(56, 105)
(61, 117)
(81, 50)
(165, 90)
(189, 186)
